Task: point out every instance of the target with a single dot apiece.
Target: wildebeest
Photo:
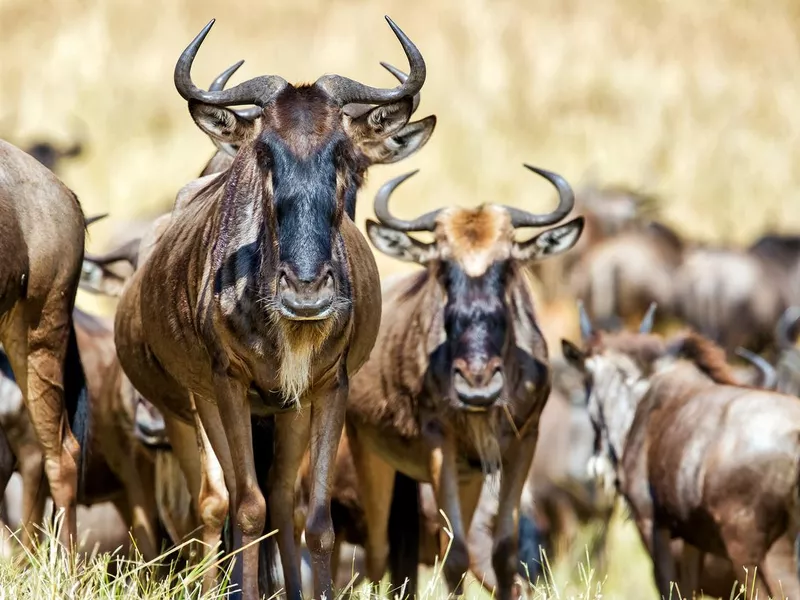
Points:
(696, 455)
(42, 230)
(117, 467)
(608, 211)
(618, 278)
(262, 297)
(788, 365)
(729, 295)
(50, 156)
(458, 377)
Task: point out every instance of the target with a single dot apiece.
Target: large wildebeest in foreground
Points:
(42, 232)
(262, 297)
(459, 375)
(696, 455)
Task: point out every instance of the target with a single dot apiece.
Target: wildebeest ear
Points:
(221, 124)
(404, 143)
(551, 242)
(572, 354)
(398, 244)
(382, 121)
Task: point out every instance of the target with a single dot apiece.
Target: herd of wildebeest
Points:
(258, 375)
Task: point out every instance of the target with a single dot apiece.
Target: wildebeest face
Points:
(302, 152)
(473, 257)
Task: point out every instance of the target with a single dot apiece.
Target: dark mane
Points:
(706, 356)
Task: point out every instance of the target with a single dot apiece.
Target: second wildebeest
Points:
(458, 377)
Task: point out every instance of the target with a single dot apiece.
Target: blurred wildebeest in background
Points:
(682, 436)
(51, 156)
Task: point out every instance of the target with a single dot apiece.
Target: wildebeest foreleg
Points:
(291, 440)
(230, 431)
(663, 563)
(516, 466)
(327, 422)
(444, 477)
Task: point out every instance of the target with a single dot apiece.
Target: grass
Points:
(47, 572)
(694, 101)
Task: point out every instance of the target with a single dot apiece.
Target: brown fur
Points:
(698, 457)
(42, 231)
(202, 345)
(474, 238)
(119, 469)
(399, 417)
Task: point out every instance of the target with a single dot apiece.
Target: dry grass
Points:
(696, 101)
(46, 572)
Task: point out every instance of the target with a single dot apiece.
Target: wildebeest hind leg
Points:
(42, 386)
(376, 484)
(206, 485)
(291, 440)
(34, 491)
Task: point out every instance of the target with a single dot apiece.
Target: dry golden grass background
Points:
(696, 101)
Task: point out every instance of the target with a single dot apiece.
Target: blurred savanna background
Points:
(696, 102)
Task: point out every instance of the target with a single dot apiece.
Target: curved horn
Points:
(256, 91)
(219, 84)
(785, 331)
(426, 222)
(94, 219)
(586, 323)
(356, 110)
(347, 91)
(646, 325)
(769, 378)
(221, 80)
(402, 77)
(566, 201)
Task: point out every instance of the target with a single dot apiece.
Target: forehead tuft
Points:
(304, 118)
(475, 237)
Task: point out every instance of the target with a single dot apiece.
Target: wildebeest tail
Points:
(269, 579)
(404, 534)
(76, 401)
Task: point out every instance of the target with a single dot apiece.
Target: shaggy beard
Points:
(481, 431)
